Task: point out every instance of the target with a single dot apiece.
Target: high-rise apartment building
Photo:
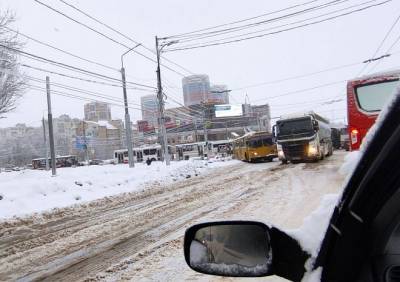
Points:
(149, 105)
(96, 111)
(196, 89)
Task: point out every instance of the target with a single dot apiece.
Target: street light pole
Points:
(128, 128)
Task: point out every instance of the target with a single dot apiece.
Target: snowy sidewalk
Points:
(31, 191)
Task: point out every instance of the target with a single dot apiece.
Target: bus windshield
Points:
(259, 142)
(372, 97)
(301, 125)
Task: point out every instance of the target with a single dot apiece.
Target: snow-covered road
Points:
(137, 236)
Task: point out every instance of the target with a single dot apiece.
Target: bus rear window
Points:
(372, 97)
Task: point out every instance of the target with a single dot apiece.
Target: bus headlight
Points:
(312, 148)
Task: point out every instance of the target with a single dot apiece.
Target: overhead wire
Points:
(70, 67)
(301, 90)
(380, 45)
(240, 21)
(80, 78)
(123, 35)
(290, 23)
(103, 35)
(268, 21)
(61, 50)
(279, 31)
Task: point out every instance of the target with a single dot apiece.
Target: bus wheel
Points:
(284, 161)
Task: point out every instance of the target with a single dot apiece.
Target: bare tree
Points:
(12, 83)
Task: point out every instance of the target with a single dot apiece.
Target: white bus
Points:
(140, 154)
(190, 150)
(152, 153)
(200, 149)
(220, 148)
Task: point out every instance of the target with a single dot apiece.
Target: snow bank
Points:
(350, 163)
(31, 191)
(311, 233)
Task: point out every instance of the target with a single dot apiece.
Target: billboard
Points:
(227, 110)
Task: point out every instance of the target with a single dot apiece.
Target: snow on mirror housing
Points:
(232, 248)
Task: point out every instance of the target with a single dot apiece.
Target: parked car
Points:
(95, 162)
(361, 243)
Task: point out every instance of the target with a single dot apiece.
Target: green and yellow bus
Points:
(255, 146)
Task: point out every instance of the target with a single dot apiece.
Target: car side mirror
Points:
(243, 249)
(233, 248)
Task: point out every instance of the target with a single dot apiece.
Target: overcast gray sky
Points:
(342, 41)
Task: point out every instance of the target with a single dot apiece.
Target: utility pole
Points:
(45, 144)
(85, 142)
(128, 129)
(160, 97)
(127, 121)
(205, 126)
(51, 135)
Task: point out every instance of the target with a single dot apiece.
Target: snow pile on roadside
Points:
(350, 163)
(311, 233)
(31, 191)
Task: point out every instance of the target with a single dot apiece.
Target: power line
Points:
(66, 52)
(103, 35)
(386, 36)
(297, 76)
(387, 52)
(79, 90)
(80, 78)
(380, 46)
(70, 67)
(302, 90)
(61, 50)
(279, 31)
(239, 21)
(289, 24)
(268, 21)
(120, 33)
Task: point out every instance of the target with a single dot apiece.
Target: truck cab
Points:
(303, 137)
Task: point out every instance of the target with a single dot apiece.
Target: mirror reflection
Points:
(231, 250)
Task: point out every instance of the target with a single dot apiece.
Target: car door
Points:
(362, 242)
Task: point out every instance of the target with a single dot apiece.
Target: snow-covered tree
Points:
(12, 84)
